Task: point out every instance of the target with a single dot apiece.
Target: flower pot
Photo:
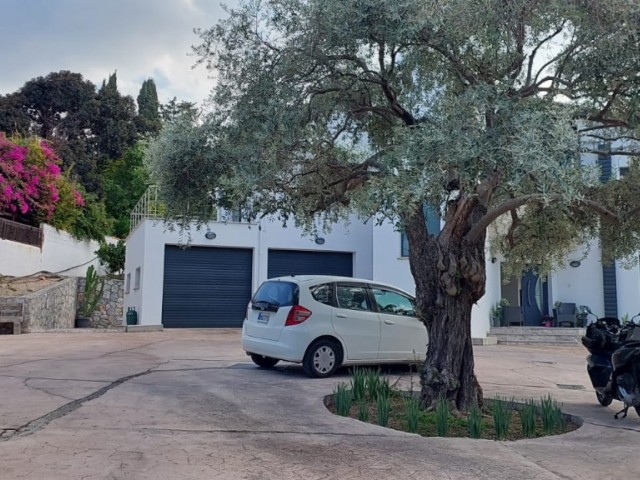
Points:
(83, 322)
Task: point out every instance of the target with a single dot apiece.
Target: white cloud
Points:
(138, 38)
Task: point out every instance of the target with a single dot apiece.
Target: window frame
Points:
(137, 278)
(397, 292)
(364, 286)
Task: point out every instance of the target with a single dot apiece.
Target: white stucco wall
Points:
(388, 265)
(146, 245)
(480, 315)
(60, 253)
(580, 285)
(18, 259)
(628, 285)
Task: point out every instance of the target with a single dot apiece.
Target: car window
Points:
(392, 302)
(352, 297)
(322, 293)
(279, 294)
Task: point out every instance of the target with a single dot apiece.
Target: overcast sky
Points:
(138, 38)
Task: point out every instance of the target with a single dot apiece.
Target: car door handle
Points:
(389, 322)
(341, 315)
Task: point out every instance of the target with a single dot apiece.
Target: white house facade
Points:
(206, 280)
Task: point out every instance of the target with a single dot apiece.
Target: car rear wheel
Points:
(322, 359)
(262, 361)
(604, 400)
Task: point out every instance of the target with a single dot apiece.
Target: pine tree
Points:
(148, 119)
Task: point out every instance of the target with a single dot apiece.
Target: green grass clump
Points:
(474, 419)
(363, 410)
(343, 397)
(383, 405)
(373, 383)
(528, 416)
(359, 384)
(412, 413)
(551, 413)
(501, 411)
(442, 417)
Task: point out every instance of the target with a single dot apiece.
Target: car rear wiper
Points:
(265, 306)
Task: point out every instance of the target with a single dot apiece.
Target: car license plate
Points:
(263, 317)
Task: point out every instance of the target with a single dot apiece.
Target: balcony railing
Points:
(18, 232)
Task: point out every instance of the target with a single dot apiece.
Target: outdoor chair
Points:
(565, 313)
(512, 315)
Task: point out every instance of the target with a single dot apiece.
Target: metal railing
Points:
(149, 206)
(18, 232)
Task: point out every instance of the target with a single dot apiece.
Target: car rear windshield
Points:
(277, 294)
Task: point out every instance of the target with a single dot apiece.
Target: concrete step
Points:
(537, 335)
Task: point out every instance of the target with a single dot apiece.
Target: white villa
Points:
(210, 283)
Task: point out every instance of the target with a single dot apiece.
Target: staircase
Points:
(537, 335)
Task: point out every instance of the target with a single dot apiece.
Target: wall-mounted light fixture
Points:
(574, 263)
(209, 235)
(494, 259)
(319, 240)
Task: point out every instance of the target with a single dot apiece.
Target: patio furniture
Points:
(513, 315)
(565, 314)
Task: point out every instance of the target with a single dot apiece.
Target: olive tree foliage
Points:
(481, 108)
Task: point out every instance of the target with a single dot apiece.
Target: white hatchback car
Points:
(324, 322)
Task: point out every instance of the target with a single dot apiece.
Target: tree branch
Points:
(518, 202)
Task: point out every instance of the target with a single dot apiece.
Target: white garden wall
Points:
(60, 253)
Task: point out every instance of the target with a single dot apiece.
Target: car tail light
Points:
(297, 315)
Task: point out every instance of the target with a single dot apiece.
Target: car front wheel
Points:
(322, 359)
(262, 361)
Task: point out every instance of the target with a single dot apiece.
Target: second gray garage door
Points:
(206, 287)
(295, 262)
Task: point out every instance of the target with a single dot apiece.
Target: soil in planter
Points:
(458, 425)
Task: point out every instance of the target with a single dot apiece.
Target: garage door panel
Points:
(295, 262)
(206, 287)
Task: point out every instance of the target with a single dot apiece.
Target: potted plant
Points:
(497, 312)
(94, 286)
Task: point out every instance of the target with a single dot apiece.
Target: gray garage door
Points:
(294, 262)
(206, 287)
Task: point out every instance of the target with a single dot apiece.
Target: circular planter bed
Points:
(369, 398)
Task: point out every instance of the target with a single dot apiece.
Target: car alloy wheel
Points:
(322, 359)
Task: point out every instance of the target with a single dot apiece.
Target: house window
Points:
(433, 227)
(127, 283)
(136, 282)
(623, 171)
(404, 245)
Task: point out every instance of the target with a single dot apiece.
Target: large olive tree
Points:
(480, 109)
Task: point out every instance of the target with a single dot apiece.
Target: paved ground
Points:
(189, 405)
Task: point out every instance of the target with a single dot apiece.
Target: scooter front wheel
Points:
(605, 400)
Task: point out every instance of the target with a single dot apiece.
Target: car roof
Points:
(304, 279)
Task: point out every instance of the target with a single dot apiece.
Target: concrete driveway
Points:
(190, 405)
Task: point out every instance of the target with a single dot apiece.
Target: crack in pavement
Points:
(254, 432)
(42, 389)
(57, 379)
(39, 423)
(628, 429)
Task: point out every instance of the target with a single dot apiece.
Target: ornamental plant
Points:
(30, 180)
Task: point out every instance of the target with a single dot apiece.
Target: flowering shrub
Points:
(30, 180)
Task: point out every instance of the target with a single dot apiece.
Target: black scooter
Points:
(614, 363)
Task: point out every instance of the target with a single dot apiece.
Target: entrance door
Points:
(531, 298)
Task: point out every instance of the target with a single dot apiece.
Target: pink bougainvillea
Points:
(29, 174)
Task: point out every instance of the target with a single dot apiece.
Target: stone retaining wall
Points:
(50, 308)
(109, 313)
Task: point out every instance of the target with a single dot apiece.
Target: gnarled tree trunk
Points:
(450, 277)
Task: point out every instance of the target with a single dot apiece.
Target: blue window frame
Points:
(433, 227)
